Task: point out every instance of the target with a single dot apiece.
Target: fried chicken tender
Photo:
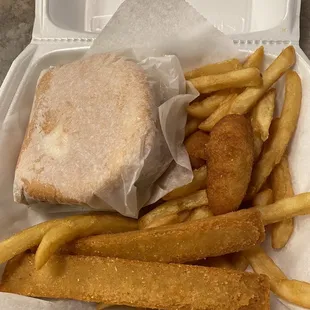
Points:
(230, 156)
(196, 146)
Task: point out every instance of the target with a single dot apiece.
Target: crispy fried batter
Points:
(229, 163)
(137, 284)
(179, 243)
(196, 146)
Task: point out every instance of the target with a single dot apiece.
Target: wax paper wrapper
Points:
(158, 167)
(151, 37)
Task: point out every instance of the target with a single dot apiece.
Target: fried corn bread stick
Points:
(137, 284)
(179, 243)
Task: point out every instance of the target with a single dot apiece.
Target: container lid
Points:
(258, 20)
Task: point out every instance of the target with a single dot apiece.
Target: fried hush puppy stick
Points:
(136, 284)
(179, 243)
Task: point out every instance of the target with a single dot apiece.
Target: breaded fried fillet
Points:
(230, 155)
(137, 284)
(179, 243)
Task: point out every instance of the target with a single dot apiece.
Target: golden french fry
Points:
(218, 114)
(262, 114)
(277, 144)
(191, 126)
(293, 291)
(83, 226)
(233, 79)
(198, 182)
(263, 198)
(199, 213)
(258, 146)
(169, 219)
(255, 60)
(285, 209)
(215, 68)
(282, 188)
(246, 100)
(26, 239)
(203, 109)
(172, 208)
(262, 263)
(239, 261)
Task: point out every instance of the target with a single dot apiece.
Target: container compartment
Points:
(233, 17)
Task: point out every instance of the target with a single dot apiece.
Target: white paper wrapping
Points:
(167, 27)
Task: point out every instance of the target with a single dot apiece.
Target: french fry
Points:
(246, 100)
(239, 261)
(263, 198)
(282, 188)
(262, 263)
(198, 182)
(262, 115)
(203, 109)
(285, 209)
(83, 226)
(32, 236)
(199, 214)
(293, 291)
(215, 68)
(276, 146)
(255, 60)
(191, 126)
(24, 240)
(258, 146)
(172, 208)
(218, 114)
(234, 79)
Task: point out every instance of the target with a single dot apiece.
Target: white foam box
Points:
(65, 29)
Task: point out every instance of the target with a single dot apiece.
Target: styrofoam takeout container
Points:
(65, 29)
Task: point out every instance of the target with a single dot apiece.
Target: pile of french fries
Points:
(231, 88)
(271, 180)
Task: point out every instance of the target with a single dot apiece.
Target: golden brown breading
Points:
(179, 243)
(137, 284)
(196, 146)
(229, 163)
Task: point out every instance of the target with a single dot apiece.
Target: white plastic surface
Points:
(263, 19)
(64, 30)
